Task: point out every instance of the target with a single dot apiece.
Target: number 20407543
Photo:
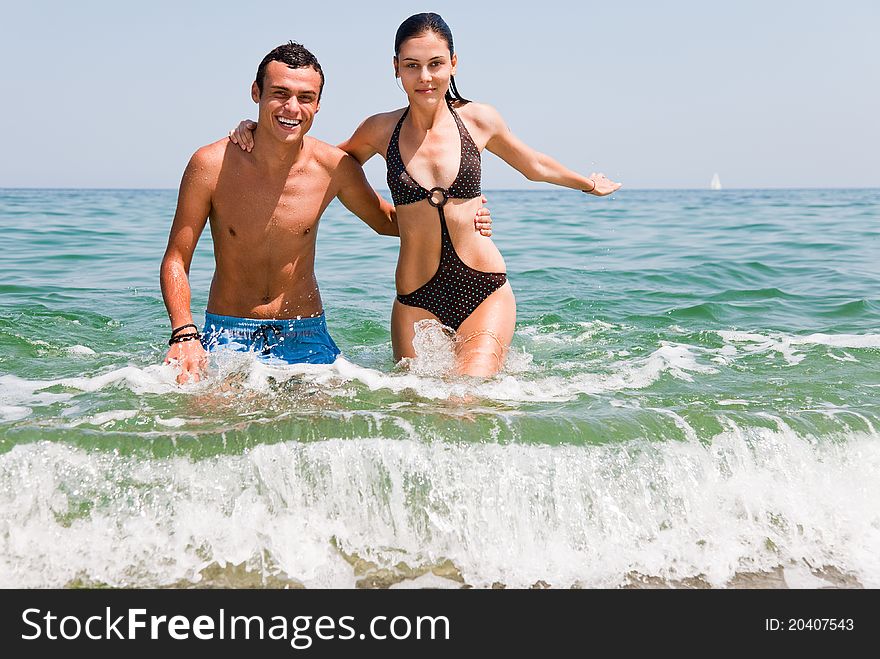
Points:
(808, 624)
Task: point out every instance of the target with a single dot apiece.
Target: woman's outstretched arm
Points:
(534, 165)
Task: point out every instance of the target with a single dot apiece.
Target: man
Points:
(264, 206)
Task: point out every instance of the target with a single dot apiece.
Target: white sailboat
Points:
(716, 182)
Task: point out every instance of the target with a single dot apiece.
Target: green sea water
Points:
(692, 398)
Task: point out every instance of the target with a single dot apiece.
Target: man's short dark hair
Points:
(296, 56)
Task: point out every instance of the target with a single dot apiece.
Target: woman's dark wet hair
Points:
(416, 25)
(296, 56)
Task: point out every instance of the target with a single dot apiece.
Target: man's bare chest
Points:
(257, 213)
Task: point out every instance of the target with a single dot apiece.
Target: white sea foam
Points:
(80, 351)
(785, 344)
(800, 576)
(173, 422)
(14, 390)
(103, 418)
(675, 359)
(154, 379)
(762, 343)
(556, 333)
(44, 347)
(750, 500)
(840, 340)
(14, 412)
(434, 348)
(427, 376)
(846, 357)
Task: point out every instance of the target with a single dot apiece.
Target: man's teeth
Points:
(291, 123)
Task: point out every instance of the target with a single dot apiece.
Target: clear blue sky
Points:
(768, 93)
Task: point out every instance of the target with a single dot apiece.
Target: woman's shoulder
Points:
(482, 114)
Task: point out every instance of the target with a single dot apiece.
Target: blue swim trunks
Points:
(293, 341)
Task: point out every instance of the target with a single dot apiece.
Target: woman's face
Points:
(425, 66)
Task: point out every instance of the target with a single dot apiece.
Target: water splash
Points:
(751, 500)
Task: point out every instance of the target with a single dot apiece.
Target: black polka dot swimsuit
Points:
(456, 289)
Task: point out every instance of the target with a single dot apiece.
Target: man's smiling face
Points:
(289, 100)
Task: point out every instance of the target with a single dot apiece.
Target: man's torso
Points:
(264, 225)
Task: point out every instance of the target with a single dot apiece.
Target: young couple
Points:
(265, 197)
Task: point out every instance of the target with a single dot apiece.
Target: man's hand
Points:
(483, 221)
(190, 357)
(243, 135)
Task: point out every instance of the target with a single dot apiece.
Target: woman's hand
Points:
(601, 185)
(483, 220)
(243, 135)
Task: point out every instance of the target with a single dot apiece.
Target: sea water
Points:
(692, 399)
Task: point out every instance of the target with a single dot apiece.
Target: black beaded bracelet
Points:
(177, 329)
(195, 336)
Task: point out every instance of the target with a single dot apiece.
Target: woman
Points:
(446, 271)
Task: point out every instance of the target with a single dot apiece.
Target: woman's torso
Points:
(441, 157)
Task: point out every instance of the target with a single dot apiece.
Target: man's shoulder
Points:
(203, 169)
(328, 155)
(210, 155)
